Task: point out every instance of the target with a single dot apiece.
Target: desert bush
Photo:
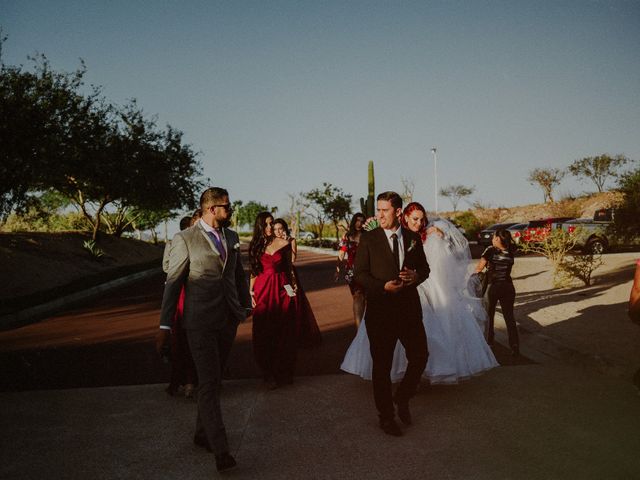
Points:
(580, 267)
(319, 243)
(555, 246)
(36, 221)
(565, 208)
(470, 223)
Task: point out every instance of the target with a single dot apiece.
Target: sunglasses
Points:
(226, 206)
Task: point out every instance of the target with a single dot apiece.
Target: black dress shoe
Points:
(390, 427)
(225, 461)
(201, 441)
(403, 411)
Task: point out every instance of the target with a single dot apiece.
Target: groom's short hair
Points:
(212, 196)
(392, 197)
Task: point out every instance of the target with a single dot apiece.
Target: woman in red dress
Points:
(272, 291)
(307, 329)
(348, 247)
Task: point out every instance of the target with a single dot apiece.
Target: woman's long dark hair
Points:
(505, 237)
(352, 225)
(259, 242)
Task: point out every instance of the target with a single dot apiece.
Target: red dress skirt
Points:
(274, 318)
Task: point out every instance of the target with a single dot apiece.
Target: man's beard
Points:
(224, 223)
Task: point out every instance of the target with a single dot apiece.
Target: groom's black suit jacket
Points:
(375, 266)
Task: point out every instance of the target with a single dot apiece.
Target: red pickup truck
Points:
(537, 230)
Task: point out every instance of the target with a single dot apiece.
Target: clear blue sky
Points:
(281, 96)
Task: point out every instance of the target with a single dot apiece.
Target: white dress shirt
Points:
(398, 232)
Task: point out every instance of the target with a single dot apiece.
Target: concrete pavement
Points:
(550, 420)
(546, 421)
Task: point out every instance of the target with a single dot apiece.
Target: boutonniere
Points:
(236, 247)
(412, 245)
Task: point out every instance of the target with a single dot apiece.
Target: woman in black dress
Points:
(499, 259)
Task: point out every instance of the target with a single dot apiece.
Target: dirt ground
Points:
(36, 267)
(590, 320)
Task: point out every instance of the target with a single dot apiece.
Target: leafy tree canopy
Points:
(547, 179)
(53, 135)
(455, 193)
(598, 169)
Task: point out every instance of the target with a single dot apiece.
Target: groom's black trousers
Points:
(383, 335)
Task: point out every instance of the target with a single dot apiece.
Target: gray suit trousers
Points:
(210, 349)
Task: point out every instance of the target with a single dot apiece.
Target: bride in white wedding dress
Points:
(453, 316)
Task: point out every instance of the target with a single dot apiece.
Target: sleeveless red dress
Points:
(274, 318)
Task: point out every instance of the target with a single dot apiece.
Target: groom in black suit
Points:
(390, 264)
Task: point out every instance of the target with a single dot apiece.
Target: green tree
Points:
(470, 223)
(149, 220)
(53, 135)
(598, 169)
(547, 179)
(328, 203)
(626, 221)
(455, 193)
(42, 113)
(247, 213)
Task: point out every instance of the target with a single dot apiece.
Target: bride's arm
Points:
(432, 230)
(481, 265)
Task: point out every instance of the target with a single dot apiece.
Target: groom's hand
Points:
(408, 277)
(393, 286)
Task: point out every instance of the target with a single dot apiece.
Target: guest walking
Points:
(205, 260)
(272, 289)
(348, 248)
(183, 370)
(499, 259)
(307, 330)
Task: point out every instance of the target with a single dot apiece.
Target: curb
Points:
(39, 312)
(325, 251)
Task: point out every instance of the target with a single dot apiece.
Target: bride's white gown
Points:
(453, 317)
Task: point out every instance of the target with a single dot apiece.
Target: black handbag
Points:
(484, 281)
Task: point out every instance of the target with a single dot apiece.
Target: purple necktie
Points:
(218, 243)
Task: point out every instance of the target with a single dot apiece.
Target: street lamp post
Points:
(435, 177)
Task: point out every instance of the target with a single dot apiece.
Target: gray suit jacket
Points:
(215, 292)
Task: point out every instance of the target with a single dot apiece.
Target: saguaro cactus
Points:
(368, 205)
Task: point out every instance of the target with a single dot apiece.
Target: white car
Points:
(302, 235)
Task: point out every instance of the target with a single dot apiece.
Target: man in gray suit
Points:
(205, 259)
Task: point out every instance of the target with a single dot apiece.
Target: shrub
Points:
(580, 267)
(319, 243)
(565, 208)
(91, 246)
(470, 223)
(555, 246)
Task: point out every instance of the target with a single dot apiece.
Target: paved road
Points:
(529, 420)
(110, 341)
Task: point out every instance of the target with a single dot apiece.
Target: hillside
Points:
(36, 267)
(581, 207)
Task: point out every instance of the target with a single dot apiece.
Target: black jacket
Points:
(375, 266)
